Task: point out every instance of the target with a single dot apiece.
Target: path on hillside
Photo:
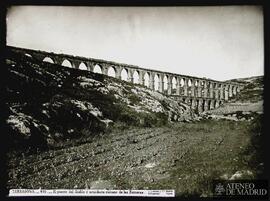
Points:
(176, 157)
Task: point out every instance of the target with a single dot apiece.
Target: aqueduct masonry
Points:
(200, 93)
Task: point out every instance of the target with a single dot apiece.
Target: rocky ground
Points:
(84, 130)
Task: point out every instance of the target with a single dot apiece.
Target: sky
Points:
(218, 42)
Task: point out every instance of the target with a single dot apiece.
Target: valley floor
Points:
(182, 156)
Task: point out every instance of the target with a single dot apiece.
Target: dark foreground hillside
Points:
(53, 105)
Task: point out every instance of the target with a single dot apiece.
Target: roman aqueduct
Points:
(200, 93)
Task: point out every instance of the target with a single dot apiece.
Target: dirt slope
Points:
(185, 157)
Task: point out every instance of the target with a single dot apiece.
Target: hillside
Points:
(252, 91)
(51, 104)
(245, 105)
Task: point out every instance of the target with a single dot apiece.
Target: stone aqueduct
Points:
(201, 94)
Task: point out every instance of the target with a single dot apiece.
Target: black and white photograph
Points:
(135, 100)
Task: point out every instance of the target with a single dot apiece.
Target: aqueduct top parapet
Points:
(111, 63)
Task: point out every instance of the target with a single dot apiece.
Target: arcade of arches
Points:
(200, 93)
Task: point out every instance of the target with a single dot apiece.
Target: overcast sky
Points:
(220, 43)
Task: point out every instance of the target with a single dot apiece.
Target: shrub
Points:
(134, 99)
